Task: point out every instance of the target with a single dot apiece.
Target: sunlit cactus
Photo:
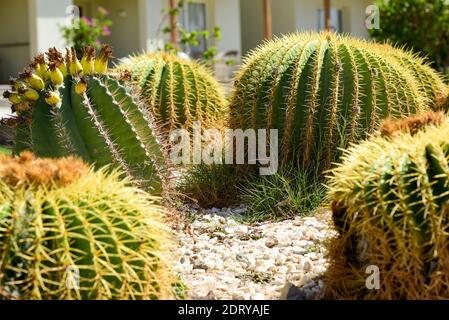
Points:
(66, 106)
(324, 91)
(391, 209)
(68, 232)
(177, 91)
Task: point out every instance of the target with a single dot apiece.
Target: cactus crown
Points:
(323, 91)
(412, 124)
(93, 238)
(177, 91)
(26, 170)
(66, 106)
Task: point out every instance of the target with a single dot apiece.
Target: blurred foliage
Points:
(419, 25)
(87, 32)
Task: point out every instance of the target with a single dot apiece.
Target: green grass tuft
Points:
(5, 150)
(212, 185)
(179, 289)
(287, 193)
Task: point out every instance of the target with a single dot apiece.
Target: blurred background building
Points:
(31, 26)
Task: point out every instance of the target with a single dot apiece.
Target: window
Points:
(194, 19)
(336, 20)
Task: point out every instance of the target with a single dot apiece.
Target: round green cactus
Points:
(71, 107)
(324, 91)
(391, 209)
(67, 232)
(177, 91)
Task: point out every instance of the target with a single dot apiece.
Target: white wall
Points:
(283, 16)
(353, 15)
(14, 38)
(227, 17)
(150, 21)
(125, 30)
(32, 24)
(292, 15)
(45, 19)
(124, 37)
(306, 14)
(251, 24)
(222, 13)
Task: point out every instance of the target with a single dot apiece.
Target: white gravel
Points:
(221, 258)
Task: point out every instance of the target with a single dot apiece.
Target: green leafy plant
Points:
(71, 107)
(87, 32)
(67, 232)
(176, 91)
(285, 194)
(390, 207)
(325, 91)
(419, 25)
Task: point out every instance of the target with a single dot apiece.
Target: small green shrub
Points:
(179, 288)
(282, 195)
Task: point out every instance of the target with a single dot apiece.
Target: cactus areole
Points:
(65, 106)
(323, 91)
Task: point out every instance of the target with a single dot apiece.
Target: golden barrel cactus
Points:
(67, 232)
(323, 91)
(391, 210)
(177, 91)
